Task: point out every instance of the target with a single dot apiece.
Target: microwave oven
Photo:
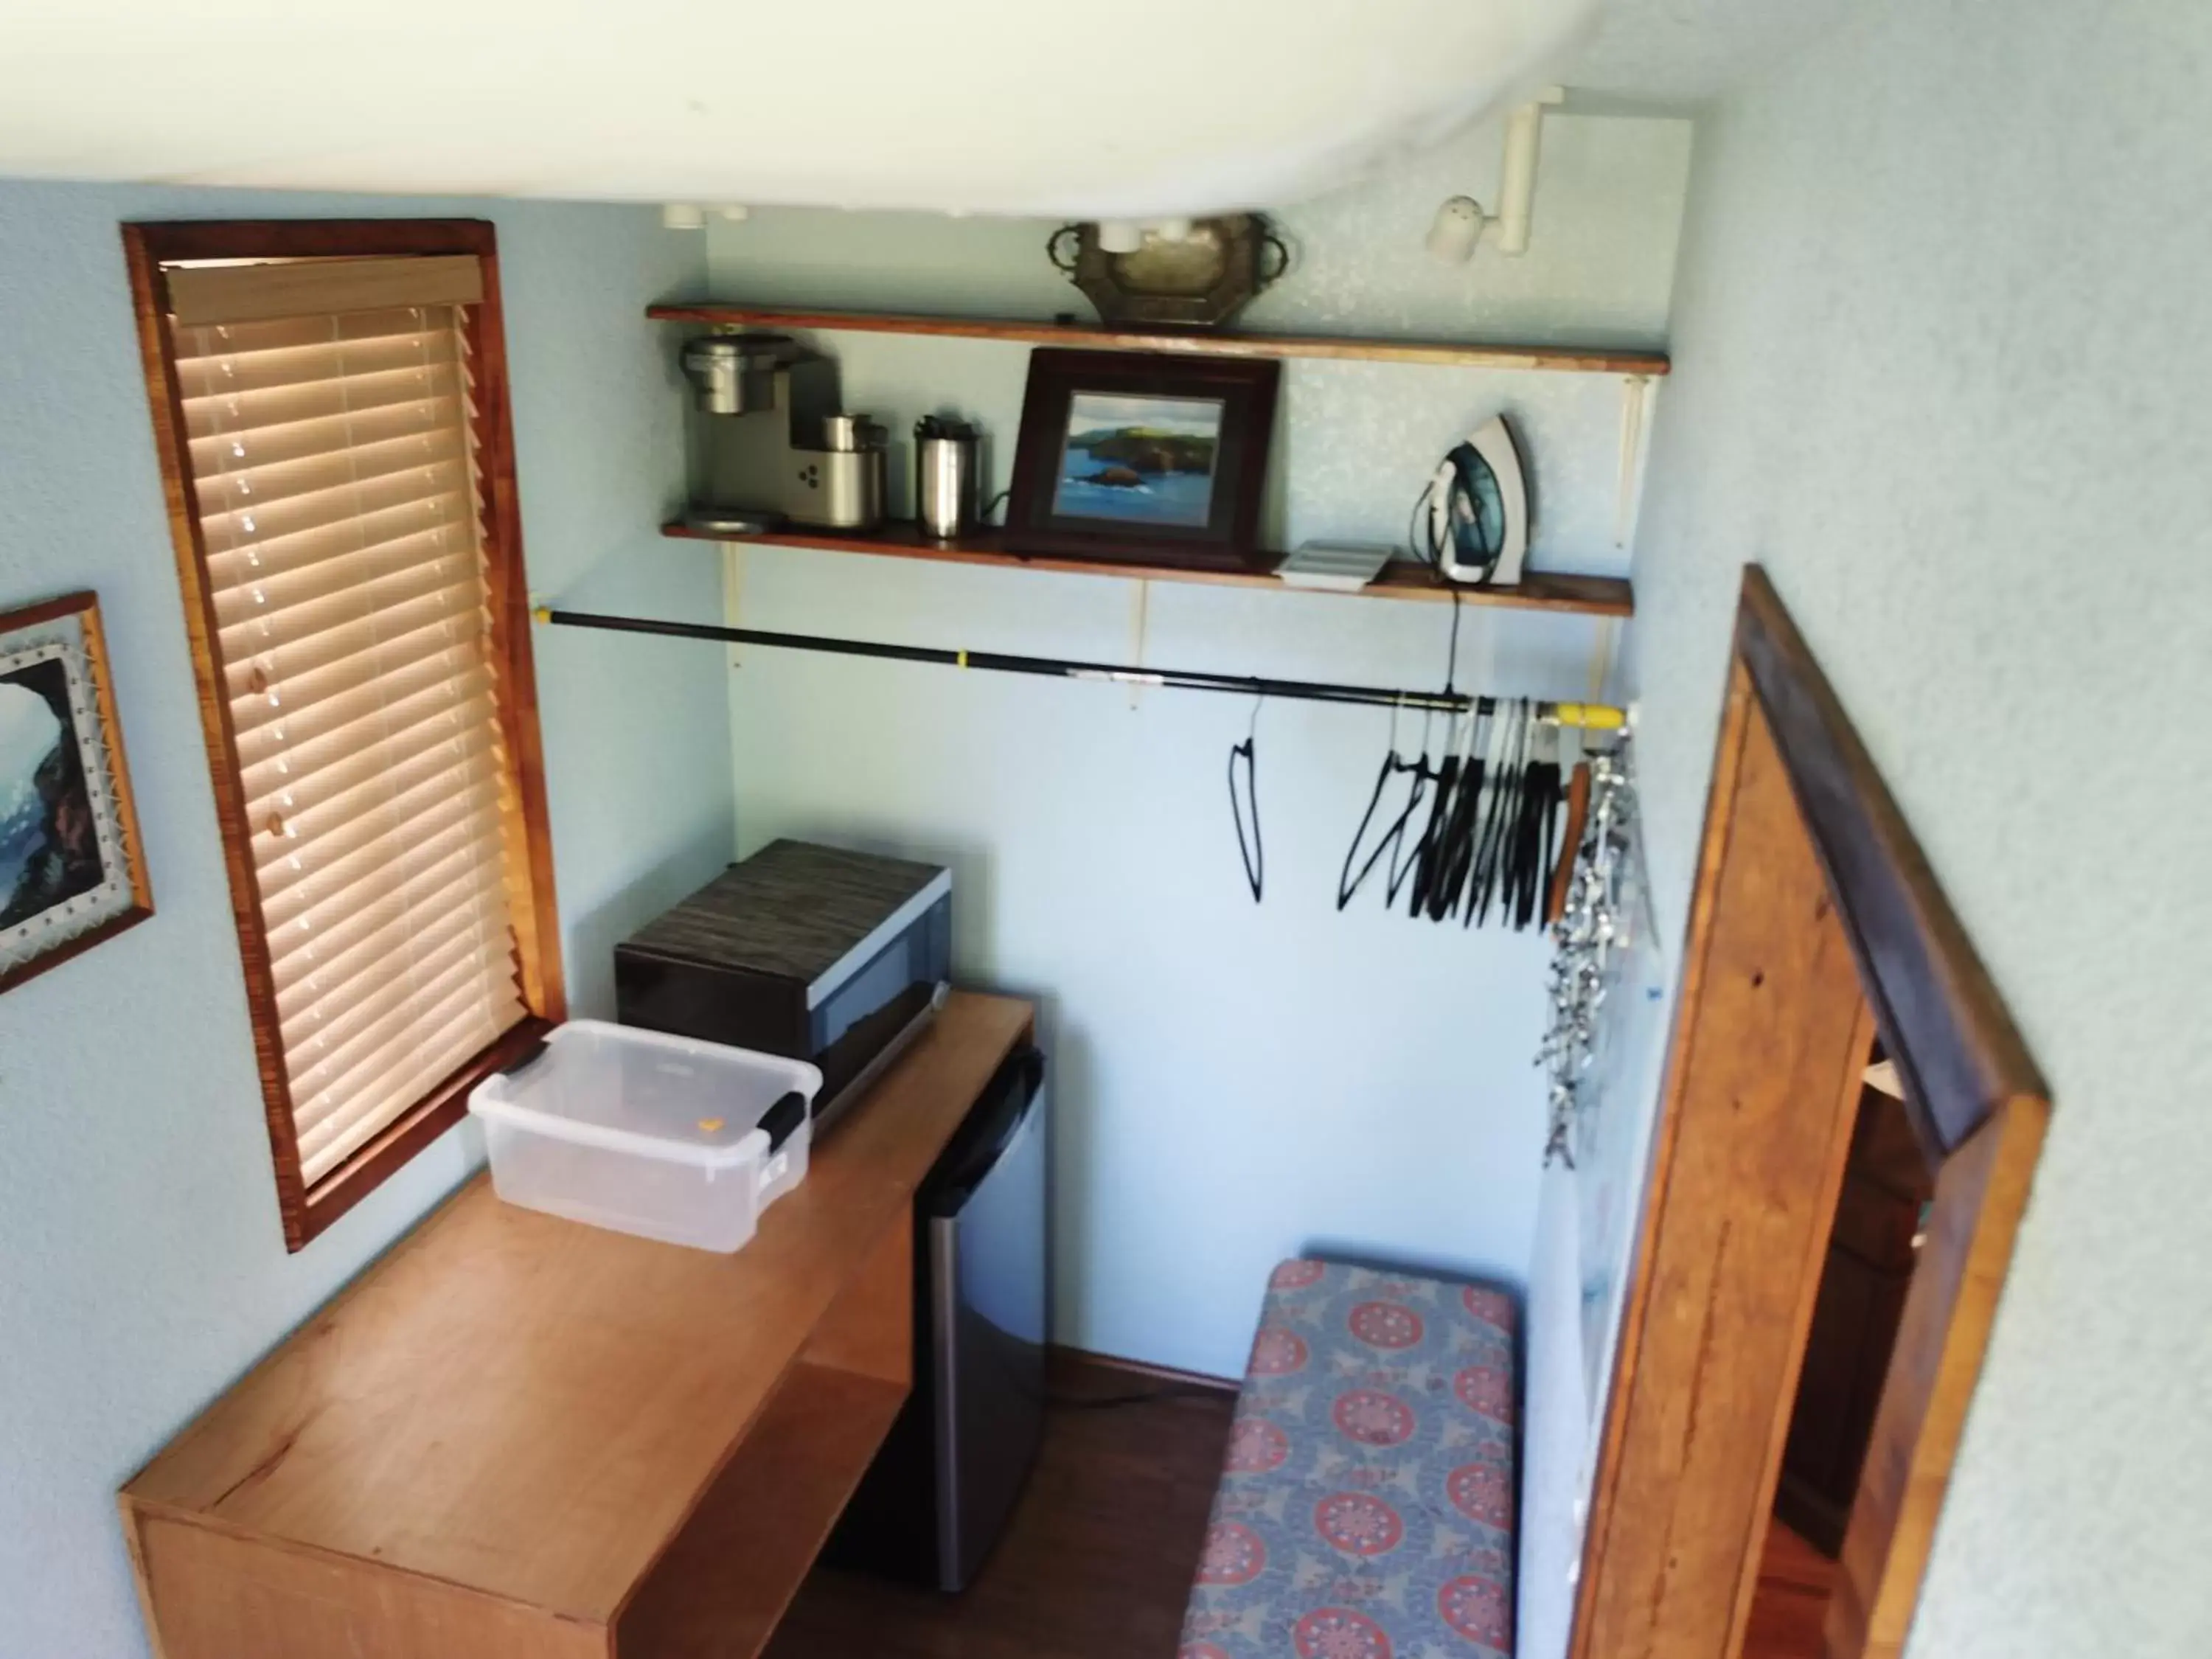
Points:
(835, 958)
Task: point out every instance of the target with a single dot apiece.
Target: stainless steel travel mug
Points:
(944, 477)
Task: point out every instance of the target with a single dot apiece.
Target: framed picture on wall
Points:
(1143, 457)
(72, 873)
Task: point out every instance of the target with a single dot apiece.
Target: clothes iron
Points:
(1479, 509)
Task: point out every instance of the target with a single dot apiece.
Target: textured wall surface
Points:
(1600, 261)
(1354, 442)
(141, 1268)
(1235, 1084)
(1942, 348)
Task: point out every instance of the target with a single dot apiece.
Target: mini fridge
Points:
(941, 1490)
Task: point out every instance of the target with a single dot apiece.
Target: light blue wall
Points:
(1354, 442)
(141, 1268)
(1942, 350)
(1598, 271)
(1235, 1084)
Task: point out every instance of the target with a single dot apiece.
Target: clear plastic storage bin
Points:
(663, 1136)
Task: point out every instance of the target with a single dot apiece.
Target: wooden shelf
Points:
(722, 1586)
(1439, 354)
(1593, 596)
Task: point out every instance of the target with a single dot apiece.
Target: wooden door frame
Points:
(1816, 922)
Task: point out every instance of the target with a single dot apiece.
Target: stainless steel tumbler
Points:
(945, 463)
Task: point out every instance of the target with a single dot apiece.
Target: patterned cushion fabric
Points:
(1365, 1510)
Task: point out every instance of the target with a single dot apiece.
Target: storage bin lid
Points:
(646, 1093)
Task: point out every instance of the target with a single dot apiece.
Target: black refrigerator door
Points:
(987, 1313)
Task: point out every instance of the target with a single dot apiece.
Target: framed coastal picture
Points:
(1147, 458)
(72, 873)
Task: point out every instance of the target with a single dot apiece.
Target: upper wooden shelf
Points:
(1441, 354)
(1593, 596)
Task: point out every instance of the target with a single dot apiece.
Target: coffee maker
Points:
(769, 444)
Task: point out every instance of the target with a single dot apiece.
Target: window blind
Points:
(332, 461)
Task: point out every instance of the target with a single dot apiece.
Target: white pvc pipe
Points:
(1516, 190)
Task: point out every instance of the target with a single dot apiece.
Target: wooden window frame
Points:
(307, 1211)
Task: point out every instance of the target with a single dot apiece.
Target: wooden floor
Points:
(1098, 1561)
(1096, 1564)
(1792, 1600)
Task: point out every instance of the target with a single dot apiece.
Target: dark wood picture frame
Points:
(1229, 539)
(1816, 925)
(86, 608)
(147, 248)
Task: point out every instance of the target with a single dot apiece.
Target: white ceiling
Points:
(1061, 107)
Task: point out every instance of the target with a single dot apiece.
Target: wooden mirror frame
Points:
(1816, 924)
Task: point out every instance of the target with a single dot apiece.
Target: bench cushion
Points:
(1365, 1510)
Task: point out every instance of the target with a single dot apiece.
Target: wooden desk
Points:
(515, 1435)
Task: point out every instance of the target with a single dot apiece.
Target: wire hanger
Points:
(1253, 852)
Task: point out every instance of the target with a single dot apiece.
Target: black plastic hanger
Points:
(1538, 823)
(1458, 852)
(1504, 828)
(1253, 852)
(1424, 776)
(1427, 865)
(1347, 884)
(1429, 854)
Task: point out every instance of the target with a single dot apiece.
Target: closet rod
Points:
(1592, 716)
